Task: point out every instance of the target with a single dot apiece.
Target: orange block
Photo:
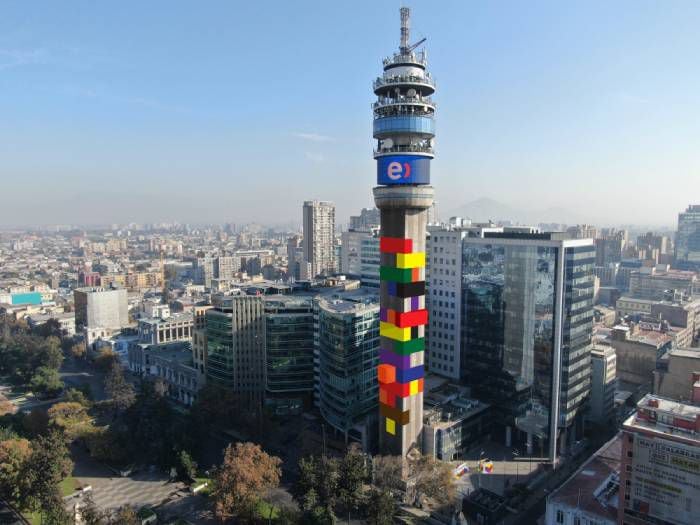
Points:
(386, 373)
(386, 397)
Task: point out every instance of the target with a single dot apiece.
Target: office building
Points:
(603, 384)
(319, 237)
(289, 339)
(370, 261)
(511, 315)
(660, 464)
(226, 267)
(351, 252)
(236, 345)
(101, 308)
(203, 270)
(347, 353)
(637, 348)
(661, 283)
(688, 239)
(677, 374)
(610, 246)
(404, 128)
(367, 220)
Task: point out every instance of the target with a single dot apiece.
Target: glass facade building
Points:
(525, 334)
(348, 355)
(688, 239)
(235, 335)
(289, 327)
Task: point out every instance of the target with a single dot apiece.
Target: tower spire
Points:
(405, 29)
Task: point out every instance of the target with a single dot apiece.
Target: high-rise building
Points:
(367, 220)
(603, 383)
(203, 270)
(101, 308)
(511, 315)
(370, 261)
(235, 341)
(660, 467)
(289, 340)
(661, 283)
(347, 350)
(688, 239)
(319, 237)
(610, 246)
(404, 128)
(351, 252)
(226, 266)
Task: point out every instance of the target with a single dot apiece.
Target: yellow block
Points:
(413, 387)
(394, 332)
(410, 260)
(391, 426)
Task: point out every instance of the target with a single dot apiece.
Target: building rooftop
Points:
(666, 417)
(593, 488)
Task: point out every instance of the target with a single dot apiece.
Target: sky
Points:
(239, 111)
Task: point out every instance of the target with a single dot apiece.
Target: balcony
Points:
(403, 101)
(384, 85)
(414, 148)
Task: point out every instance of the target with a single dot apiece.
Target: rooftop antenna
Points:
(405, 48)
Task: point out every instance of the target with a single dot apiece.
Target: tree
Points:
(52, 509)
(435, 479)
(381, 508)
(387, 473)
(89, 513)
(118, 389)
(316, 489)
(106, 360)
(126, 515)
(71, 418)
(46, 382)
(46, 467)
(36, 422)
(6, 406)
(187, 466)
(78, 350)
(246, 473)
(14, 453)
(352, 473)
(74, 395)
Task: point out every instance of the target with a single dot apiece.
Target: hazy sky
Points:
(238, 111)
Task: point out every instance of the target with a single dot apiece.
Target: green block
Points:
(409, 347)
(398, 275)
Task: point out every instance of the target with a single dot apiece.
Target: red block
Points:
(410, 319)
(395, 245)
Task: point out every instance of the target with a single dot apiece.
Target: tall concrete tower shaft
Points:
(404, 127)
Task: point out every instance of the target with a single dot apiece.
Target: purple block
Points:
(383, 316)
(391, 288)
(401, 362)
(415, 303)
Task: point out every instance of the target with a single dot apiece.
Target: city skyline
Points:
(116, 118)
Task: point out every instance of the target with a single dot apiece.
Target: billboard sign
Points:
(666, 480)
(403, 169)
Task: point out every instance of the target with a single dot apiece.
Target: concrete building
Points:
(101, 308)
(511, 315)
(688, 239)
(370, 261)
(453, 423)
(660, 464)
(637, 351)
(319, 237)
(351, 252)
(603, 384)
(347, 354)
(289, 340)
(235, 338)
(591, 495)
(367, 220)
(677, 371)
(177, 327)
(226, 267)
(660, 283)
(404, 128)
(610, 247)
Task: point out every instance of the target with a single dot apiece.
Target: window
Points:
(560, 517)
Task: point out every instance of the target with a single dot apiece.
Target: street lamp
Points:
(516, 455)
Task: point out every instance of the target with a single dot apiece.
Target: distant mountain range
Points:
(484, 209)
